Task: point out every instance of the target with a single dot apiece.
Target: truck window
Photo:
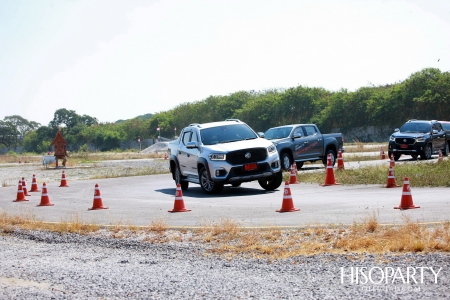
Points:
(310, 130)
(186, 137)
(298, 130)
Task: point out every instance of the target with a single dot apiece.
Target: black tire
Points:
(184, 184)
(299, 165)
(236, 184)
(271, 183)
(209, 186)
(286, 161)
(446, 150)
(333, 157)
(397, 156)
(427, 153)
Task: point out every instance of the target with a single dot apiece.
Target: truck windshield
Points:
(416, 127)
(226, 134)
(277, 133)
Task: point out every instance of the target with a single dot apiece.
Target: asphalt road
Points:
(141, 200)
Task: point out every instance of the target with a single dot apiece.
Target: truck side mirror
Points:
(191, 145)
(261, 134)
(435, 131)
(396, 130)
(296, 135)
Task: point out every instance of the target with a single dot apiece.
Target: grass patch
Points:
(228, 239)
(429, 174)
(365, 147)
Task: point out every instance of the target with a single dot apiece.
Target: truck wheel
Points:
(209, 186)
(445, 153)
(427, 153)
(236, 184)
(271, 183)
(184, 184)
(286, 161)
(299, 165)
(333, 157)
(397, 156)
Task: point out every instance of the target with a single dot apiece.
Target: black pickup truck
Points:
(419, 137)
(302, 143)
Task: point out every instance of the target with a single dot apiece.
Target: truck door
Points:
(314, 142)
(439, 138)
(187, 158)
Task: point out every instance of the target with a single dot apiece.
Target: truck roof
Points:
(215, 124)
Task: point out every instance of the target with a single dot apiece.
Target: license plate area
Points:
(250, 166)
(404, 146)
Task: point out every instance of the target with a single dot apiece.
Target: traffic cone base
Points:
(406, 202)
(34, 187)
(288, 203)
(178, 205)
(440, 157)
(45, 199)
(63, 180)
(329, 176)
(98, 202)
(383, 155)
(20, 195)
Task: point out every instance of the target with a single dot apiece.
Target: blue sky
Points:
(119, 59)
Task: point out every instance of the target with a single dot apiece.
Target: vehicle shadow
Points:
(228, 191)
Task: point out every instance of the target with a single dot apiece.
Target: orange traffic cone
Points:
(406, 201)
(165, 156)
(293, 176)
(24, 187)
(340, 160)
(20, 195)
(329, 179)
(391, 179)
(98, 203)
(288, 203)
(392, 161)
(45, 199)
(383, 156)
(440, 158)
(63, 180)
(178, 205)
(295, 166)
(34, 187)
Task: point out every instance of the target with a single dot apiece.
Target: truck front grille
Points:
(238, 157)
(408, 141)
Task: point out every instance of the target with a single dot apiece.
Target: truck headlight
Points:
(272, 149)
(420, 139)
(217, 156)
(392, 138)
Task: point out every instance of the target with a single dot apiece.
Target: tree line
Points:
(423, 95)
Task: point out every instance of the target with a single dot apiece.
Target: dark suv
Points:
(419, 137)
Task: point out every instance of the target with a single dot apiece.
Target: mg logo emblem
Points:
(247, 155)
(404, 140)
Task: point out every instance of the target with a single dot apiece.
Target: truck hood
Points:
(398, 135)
(239, 145)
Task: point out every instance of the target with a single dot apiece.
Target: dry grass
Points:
(358, 146)
(228, 239)
(77, 158)
(429, 174)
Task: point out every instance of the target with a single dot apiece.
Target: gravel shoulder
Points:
(44, 265)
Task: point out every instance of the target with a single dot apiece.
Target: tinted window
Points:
(446, 126)
(226, 134)
(277, 133)
(416, 127)
(310, 130)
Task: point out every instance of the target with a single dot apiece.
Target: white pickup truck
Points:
(218, 153)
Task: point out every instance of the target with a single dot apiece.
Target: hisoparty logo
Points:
(389, 275)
